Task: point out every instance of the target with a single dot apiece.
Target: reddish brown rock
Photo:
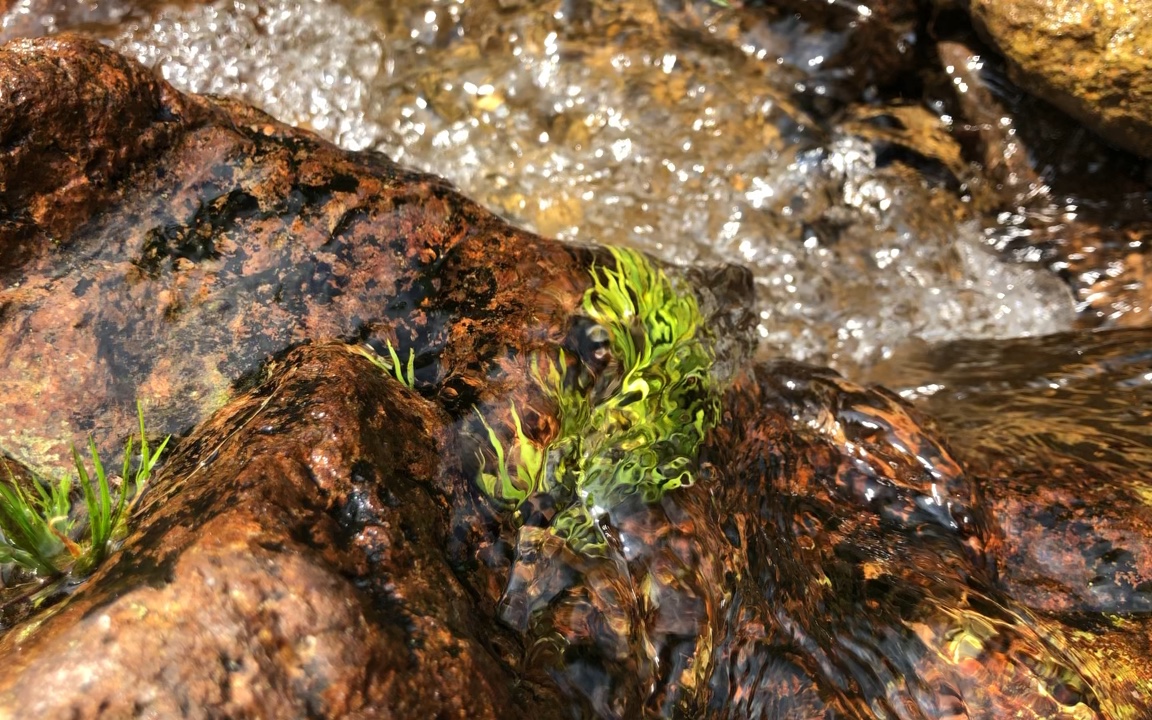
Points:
(304, 570)
(168, 245)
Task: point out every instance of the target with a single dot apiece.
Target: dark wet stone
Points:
(884, 31)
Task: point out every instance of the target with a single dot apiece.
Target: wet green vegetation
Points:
(405, 373)
(43, 533)
(636, 428)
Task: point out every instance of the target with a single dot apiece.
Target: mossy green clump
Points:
(637, 431)
(38, 529)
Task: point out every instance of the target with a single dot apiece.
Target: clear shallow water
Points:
(673, 129)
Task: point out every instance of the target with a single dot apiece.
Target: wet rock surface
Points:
(225, 239)
(294, 562)
(318, 544)
(1088, 58)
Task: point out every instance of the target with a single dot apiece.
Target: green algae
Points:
(638, 430)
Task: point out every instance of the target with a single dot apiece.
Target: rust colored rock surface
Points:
(53, 173)
(1056, 428)
(168, 245)
(302, 572)
(1088, 57)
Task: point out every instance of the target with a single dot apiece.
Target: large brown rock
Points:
(302, 572)
(1088, 57)
(166, 246)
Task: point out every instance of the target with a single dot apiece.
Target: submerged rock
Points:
(1088, 58)
(483, 474)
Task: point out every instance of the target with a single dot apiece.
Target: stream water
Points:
(676, 128)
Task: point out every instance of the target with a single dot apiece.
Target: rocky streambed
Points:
(427, 464)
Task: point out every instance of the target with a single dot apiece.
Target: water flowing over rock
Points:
(357, 357)
(692, 131)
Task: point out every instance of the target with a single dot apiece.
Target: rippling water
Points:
(678, 128)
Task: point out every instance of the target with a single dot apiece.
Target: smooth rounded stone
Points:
(1088, 57)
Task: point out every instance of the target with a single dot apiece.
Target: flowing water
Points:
(676, 128)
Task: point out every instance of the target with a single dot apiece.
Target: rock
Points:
(329, 539)
(316, 548)
(167, 248)
(883, 30)
(1058, 467)
(843, 541)
(303, 571)
(1088, 58)
(1054, 430)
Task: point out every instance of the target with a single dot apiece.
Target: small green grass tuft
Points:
(639, 431)
(406, 374)
(37, 529)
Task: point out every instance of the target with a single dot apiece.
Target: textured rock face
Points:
(168, 245)
(319, 545)
(1088, 57)
(302, 572)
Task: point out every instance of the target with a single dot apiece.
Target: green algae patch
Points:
(637, 429)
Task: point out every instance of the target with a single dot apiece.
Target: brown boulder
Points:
(1088, 57)
(301, 572)
(167, 245)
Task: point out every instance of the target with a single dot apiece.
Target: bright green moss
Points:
(637, 431)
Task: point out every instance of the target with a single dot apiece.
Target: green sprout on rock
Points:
(638, 430)
(406, 374)
(38, 530)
